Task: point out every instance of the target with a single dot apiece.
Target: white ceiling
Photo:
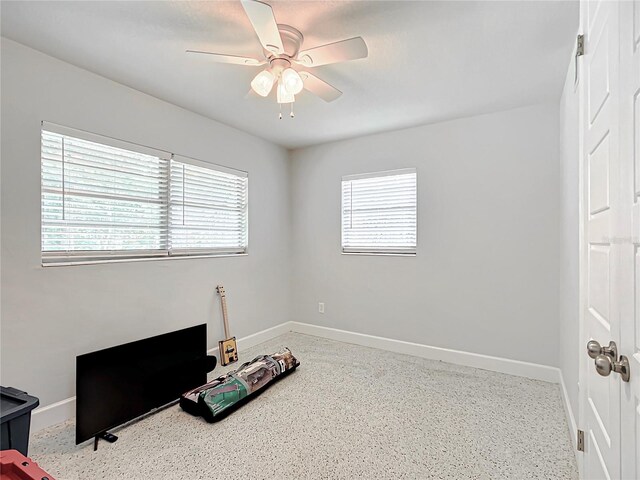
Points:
(428, 61)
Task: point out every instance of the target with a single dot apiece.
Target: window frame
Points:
(64, 258)
(376, 251)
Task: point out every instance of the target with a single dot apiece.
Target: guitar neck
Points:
(224, 316)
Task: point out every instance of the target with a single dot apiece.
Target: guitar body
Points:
(228, 351)
(228, 347)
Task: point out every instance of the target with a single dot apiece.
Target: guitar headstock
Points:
(220, 290)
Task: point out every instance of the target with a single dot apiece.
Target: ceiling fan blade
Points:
(319, 87)
(264, 23)
(342, 51)
(220, 58)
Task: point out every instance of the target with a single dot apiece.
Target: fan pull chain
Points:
(291, 114)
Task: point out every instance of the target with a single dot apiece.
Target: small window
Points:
(379, 212)
(105, 199)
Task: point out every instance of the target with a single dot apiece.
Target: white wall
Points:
(50, 315)
(485, 278)
(569, 273)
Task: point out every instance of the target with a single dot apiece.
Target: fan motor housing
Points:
(278, 64)
(292, 40)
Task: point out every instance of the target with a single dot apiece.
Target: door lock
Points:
(606, 360)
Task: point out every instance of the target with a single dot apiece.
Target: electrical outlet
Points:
(321, 307)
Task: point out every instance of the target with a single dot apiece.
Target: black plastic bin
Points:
(15, 415)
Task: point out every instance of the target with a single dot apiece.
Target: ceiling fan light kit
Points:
(281, 47)
(263, 83)
(292, 81)
(282, 95)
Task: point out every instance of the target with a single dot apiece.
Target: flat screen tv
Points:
(118, 384)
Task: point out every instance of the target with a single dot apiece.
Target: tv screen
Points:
(118, 384)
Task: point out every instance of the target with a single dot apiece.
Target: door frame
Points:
(582, 254)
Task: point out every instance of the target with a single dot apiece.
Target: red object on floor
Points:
(15, 466)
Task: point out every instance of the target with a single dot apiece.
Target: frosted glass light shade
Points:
(263, 83)
(292, 82)
(283, 95)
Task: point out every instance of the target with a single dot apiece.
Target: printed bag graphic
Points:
(216, 399)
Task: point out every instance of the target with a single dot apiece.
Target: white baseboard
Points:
(571, 420)
(43, 417)
(485, 362)
(46, 416)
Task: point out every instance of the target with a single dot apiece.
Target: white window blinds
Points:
(379, 212)
(103, 198)
(208, 209)
(98, 198)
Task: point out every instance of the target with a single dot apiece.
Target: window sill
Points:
(381, 254)
(73, 263)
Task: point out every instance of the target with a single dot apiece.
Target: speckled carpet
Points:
(347, 412)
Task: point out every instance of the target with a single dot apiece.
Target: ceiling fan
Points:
(287, 64)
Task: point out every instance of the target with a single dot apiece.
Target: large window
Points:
(105, 199)
(379, 212)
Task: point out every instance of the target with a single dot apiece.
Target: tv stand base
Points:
(109, 437)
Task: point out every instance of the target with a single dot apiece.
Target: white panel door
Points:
(630, 232)
(610, 98)
(600, 122)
